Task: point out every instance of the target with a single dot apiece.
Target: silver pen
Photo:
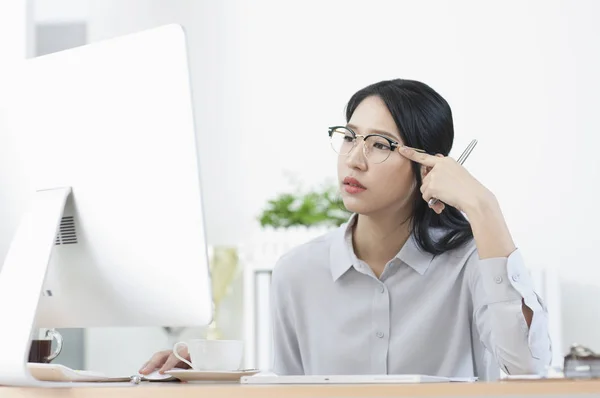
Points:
(460, 161)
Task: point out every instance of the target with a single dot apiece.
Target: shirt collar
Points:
(415, 257)
(342, 256)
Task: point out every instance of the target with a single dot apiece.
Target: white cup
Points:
(219, 355)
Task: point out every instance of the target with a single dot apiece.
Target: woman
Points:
(406, 287)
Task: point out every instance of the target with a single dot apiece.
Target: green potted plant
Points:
(320, 207)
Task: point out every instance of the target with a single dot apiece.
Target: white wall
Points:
(270, 76)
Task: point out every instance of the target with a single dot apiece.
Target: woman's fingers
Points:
(155, 362)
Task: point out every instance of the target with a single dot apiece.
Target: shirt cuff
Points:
(506, 279)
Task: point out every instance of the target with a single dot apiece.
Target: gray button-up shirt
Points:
(447, 315)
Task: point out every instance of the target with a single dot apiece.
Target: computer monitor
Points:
(102, 178)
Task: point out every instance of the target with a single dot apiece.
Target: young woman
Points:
(408, 285)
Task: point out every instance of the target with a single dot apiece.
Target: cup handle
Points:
(182, 359)
(59, 343)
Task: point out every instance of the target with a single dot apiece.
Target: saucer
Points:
(211, 375)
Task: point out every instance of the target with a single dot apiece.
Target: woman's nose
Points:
(356, 158)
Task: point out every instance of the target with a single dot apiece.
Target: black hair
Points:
(424, 120)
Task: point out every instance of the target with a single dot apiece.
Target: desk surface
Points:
(182, 390)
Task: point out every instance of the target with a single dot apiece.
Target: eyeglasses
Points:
(376, 147)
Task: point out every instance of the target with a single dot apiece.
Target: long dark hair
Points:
(424, 120)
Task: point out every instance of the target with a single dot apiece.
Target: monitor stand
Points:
(21, 282)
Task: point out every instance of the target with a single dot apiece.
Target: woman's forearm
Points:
(491, 234)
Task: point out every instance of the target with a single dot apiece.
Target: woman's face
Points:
(384, 188)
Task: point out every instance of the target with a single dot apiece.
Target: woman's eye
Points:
(382, 146)
(348, 138)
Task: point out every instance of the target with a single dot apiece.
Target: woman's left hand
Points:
(447, 181)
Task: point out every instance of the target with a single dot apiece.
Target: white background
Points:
(270, 76)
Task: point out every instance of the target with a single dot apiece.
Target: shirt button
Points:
(380, 334)
(515, 277)
(498, 279)
(382, 289)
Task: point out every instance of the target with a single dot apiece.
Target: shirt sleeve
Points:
(286, 351)
(499, 286)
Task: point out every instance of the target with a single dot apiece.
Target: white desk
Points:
(558, 388)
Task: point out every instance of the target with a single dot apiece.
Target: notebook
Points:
(61, 373)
